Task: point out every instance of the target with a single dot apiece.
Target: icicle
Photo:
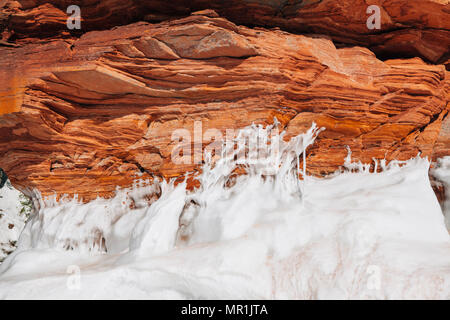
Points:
(299, 185)
(304, 171)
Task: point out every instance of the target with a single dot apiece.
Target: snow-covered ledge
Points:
(441, 172)
(15, 208)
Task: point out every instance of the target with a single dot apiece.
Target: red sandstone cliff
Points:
(86, 114)
(409, 27)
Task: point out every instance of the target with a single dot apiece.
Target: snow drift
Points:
(357, 234)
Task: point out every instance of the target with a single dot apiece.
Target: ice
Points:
(356, 234)
(14, 211)
(442, 173)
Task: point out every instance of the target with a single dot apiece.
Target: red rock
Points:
(408, 27)
(83, 116)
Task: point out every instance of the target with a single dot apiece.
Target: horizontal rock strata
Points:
(83, 116)
(408, 27)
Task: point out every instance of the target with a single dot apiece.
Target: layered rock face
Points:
(85, 115)
(409, 27)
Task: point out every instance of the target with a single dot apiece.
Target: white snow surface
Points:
(352, 235)
(442, 173)
(12, 220)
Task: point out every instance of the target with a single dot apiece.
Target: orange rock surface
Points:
(408, 27)
(85, 115)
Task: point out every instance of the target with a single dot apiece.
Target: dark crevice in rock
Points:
(45, 19)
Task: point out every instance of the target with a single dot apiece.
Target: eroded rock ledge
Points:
(82, 116)
(409, 27)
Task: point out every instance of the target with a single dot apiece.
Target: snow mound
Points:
(353, 235)
(14, 211)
